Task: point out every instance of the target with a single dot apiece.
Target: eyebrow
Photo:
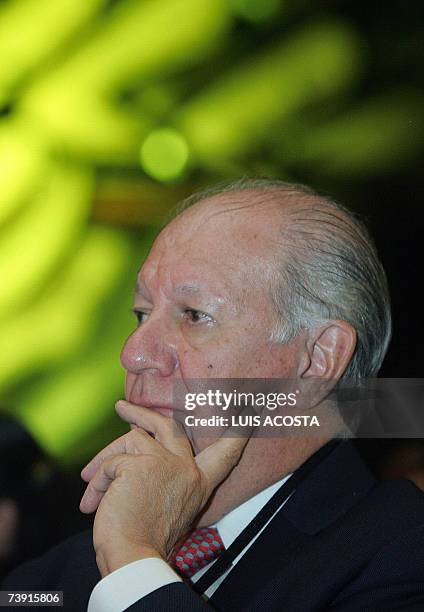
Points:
(180, 290)
(187, 290)
(139, 288)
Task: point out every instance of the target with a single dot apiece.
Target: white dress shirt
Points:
(123, 587)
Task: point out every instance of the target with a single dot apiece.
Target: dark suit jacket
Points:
(342, 542)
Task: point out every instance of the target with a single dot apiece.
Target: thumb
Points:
(217, 460)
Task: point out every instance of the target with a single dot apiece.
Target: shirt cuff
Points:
(123, 587)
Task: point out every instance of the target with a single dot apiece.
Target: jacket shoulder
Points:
(72, 561)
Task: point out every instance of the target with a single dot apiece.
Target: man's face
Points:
(203, 307)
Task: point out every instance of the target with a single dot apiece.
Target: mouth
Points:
(136, 394)
(165, 410)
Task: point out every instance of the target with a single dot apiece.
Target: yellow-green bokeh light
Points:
(164, 154)
(255, 11)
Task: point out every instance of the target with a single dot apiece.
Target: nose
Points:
(150, 347)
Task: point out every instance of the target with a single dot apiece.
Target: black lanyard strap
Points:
(263, 516)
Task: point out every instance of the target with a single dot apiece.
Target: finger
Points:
(136, 441)
(100, 483)
(164, 429)
(217, 460)
(114, 448)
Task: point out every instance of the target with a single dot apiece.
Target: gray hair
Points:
(330, 270)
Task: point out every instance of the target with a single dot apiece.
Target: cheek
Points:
(198, 336)
(263, 360)
(211, 360)
(241, 354)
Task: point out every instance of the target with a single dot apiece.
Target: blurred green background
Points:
(112, 111)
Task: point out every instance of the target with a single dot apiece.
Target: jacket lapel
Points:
(334, 486)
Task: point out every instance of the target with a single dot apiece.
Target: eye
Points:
(140, 316)
(197, 316)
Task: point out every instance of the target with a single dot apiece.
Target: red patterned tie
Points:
(202, 546)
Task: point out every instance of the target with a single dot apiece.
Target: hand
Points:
(147, 487)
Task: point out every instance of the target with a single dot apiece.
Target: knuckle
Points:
(120, 462)
(134, 434)
(134, 438)
(148, 464)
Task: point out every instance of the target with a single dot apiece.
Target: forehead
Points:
(218, 241)
(182, 274)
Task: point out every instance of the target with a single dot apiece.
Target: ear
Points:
(328, 351)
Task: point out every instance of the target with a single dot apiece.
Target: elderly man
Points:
(257, 279)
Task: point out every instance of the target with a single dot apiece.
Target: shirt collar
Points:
(233, 523)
